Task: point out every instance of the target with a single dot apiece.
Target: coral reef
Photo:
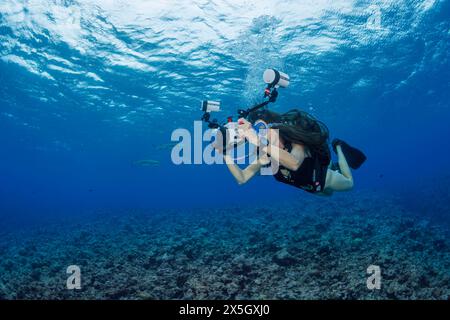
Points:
(305, 249)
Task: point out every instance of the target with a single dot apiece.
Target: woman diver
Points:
(299, 144)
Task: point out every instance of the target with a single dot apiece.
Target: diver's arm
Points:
(242, 176)
(291, 161)
(286, 159)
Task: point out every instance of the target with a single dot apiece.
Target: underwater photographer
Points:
(294, 141)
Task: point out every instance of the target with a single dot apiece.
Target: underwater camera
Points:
(228, 131)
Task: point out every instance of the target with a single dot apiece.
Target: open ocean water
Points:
(91, 91)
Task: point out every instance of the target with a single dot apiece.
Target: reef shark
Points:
(147, 163)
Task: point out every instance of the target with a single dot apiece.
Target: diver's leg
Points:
(343, 165)
(339, 181)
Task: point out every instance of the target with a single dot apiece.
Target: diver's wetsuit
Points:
(310, 176)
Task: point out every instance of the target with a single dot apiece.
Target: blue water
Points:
(89, 87)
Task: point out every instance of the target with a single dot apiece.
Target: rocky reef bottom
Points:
(303, 249)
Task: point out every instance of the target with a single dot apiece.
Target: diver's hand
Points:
(217, 144)
(264, 159)
(245, 130)
(274, 137)
(251, 137)
(244, 124)
(218, 149)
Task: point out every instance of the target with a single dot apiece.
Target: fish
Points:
(166, 146)
(147, 163)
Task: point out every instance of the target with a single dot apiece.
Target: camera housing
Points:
(227, 136)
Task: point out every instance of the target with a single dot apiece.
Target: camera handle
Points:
(212, 124)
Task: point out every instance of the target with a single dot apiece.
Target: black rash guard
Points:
(310, 176)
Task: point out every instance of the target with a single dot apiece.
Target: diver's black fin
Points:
(355, 158)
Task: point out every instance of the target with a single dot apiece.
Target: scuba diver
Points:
(299, 143)
(294, 140)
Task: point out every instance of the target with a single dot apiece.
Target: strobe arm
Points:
(212, 124)
(270, 92)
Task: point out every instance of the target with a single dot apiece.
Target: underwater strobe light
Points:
(210, 106)
(275, 78)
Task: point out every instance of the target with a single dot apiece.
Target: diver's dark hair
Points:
(299, 127)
